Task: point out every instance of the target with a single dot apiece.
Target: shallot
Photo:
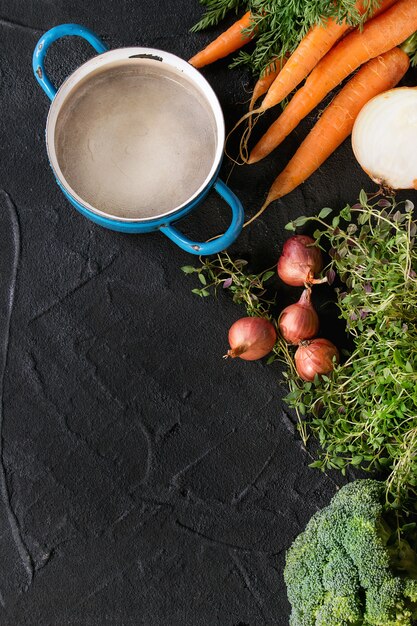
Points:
(251, 338)
(318, 356)
(299, 321)
(300, 261)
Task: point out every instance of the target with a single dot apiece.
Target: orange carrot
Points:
(226, 43)
(378, 36)
(336, 123)
(308, 53)
(311, 49)
(266, 80)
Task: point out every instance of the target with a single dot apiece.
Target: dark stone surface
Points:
(144, 480)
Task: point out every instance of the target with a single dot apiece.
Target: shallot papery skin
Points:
(300, 261)
(317, 356)
(299, 321)
(251, 338)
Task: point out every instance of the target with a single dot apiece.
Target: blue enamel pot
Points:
(102, 154)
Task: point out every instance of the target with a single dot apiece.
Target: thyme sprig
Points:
(247, 289)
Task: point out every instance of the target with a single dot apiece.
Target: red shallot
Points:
(299, 321)
(251, 338)
(300, 261)
(315, 357)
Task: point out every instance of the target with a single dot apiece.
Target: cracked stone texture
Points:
(143, 479)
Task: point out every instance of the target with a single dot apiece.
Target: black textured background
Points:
(143, 479)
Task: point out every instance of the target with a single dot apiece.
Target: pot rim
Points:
(148, 56)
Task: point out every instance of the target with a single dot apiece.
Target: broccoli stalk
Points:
(348, 568)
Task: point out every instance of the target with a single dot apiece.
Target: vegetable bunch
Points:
(277, 25)
(382, 65)
(324, 55)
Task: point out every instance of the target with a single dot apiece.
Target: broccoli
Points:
(349, 567)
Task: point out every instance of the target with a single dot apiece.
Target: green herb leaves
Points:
(246, 289)
(216, 10)
(365, 414)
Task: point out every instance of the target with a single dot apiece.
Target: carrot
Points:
(308, 53)
(226, 43)
(311, 49)
(378, 36)
(336, 123)
(261, 87)
(266, 80)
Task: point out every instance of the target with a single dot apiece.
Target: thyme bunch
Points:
(365, 413)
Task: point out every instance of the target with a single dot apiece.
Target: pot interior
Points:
(136, 140)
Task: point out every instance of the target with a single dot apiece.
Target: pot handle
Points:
(47, 39)
(223, 241)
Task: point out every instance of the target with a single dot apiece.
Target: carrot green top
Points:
(281, 24)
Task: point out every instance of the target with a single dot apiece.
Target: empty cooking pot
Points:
(135, 138)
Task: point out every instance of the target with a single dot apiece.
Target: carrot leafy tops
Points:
(280, 25)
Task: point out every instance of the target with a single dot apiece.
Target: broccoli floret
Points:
(339, 574)
(385, 604)
(345, 569)
(411, 590)
(339, 611)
